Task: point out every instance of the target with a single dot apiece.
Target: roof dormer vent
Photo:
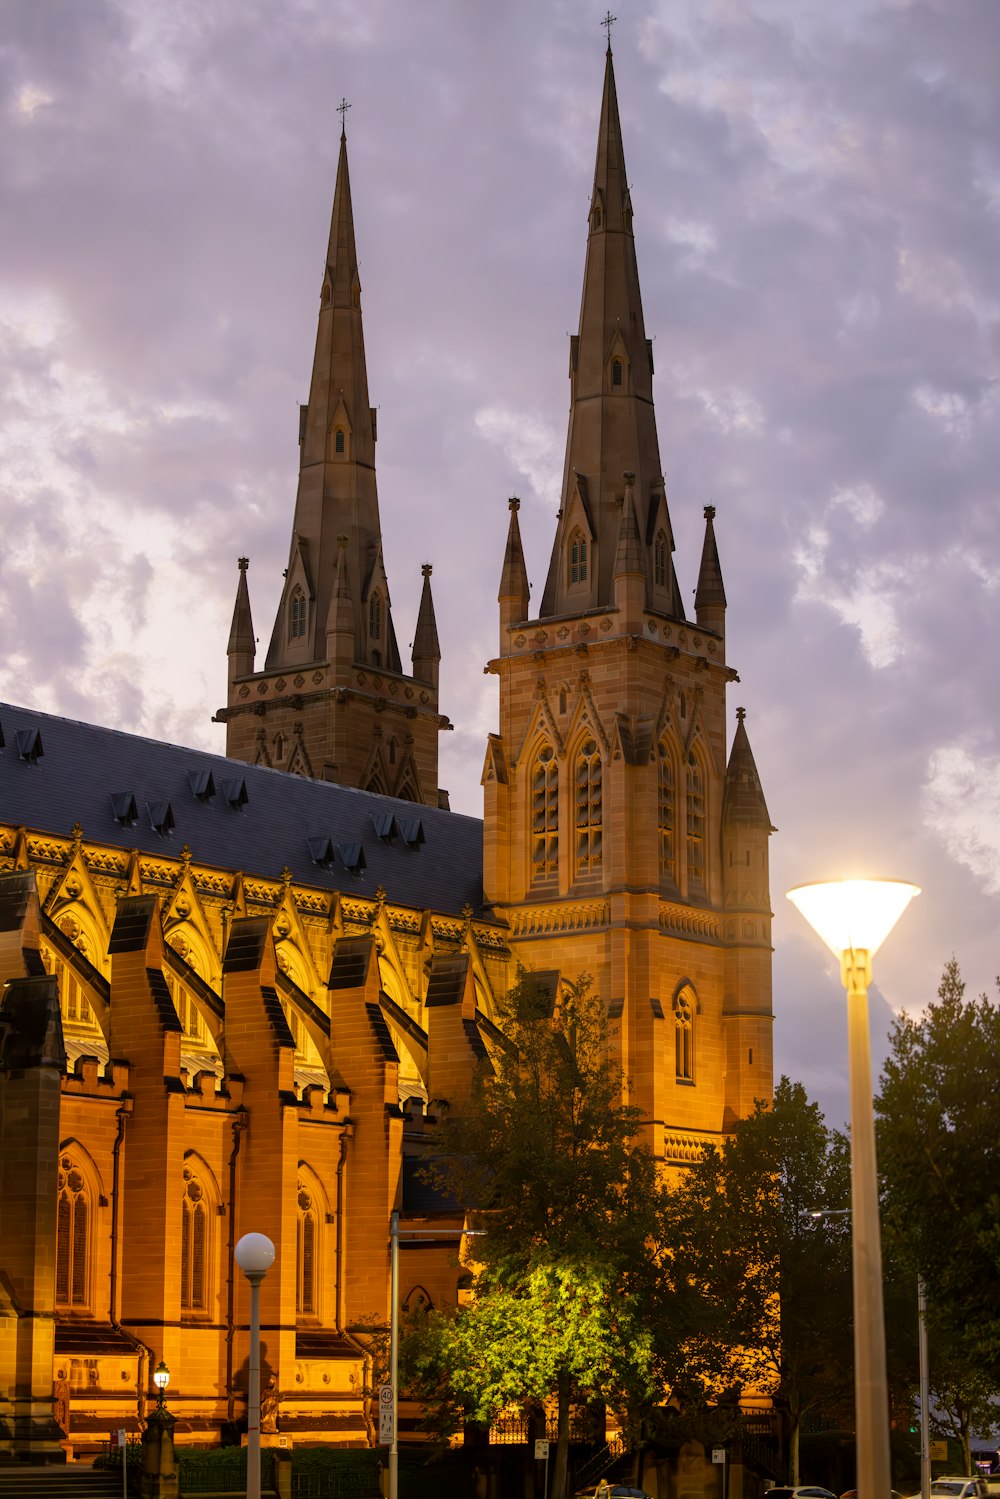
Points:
(353, 857)
(411, 830)
(161, 818)
(202, 784)
(234, 789)
(124, 809)
(321, 850)
(29, 745)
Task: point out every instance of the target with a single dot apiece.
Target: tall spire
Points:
(743, 799)
(426, 647)
(333, 663)
(514, 587)
(612, 425)
(337, 493)
(710, 596)
(242, 643)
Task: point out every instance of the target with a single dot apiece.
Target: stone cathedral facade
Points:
(240, 990)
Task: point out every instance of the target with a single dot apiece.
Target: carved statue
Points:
(60, 1404)
(269, 1406)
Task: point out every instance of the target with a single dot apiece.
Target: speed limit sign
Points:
(386, 1431)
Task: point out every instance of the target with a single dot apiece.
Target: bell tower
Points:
(611, 816)
(332, 700)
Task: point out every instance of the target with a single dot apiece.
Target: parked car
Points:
(853, 1494)
(803, 1491)
(960, 1487)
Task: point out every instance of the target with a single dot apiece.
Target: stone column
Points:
(159, 1463)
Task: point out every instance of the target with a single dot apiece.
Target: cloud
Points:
(529, 444)
(961, 806)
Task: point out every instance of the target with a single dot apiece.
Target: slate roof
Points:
(82, 766)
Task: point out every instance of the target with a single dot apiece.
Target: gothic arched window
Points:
(616, 372)
(375, 616)
(660, 560)
(578, 558)
(339, 443)
(589, 808)
(545, 816)
(684, 1008)
(666, 810)
(306, 1250)
(695, 823)
(195, 1231)
(297, 615)
(74, 1213)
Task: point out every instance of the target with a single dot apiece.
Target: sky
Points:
(816, 191)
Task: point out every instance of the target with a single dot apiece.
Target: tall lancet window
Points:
(695, 824)
(589, 809)
(545, 816)
(684, 1036)
(297, 615)
(578, 558)
(666, 810)
(195, 1228)
(306, 1251)
(74, 1210)
(375, 616)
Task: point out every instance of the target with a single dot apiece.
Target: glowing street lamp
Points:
(161, 1378)
(255, 1256)
(854, 917)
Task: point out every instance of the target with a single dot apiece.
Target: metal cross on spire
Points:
(342, 109)
(607, 23)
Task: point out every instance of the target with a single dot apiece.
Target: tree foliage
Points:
(773, 1281)
(546, 1161)
(939, 1154)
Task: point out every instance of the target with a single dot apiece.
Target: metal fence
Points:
(202, 1475)
(334, 1483)
(512, 1431)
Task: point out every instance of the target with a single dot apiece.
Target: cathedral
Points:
(240, 991)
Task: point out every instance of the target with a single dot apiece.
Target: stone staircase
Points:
(69, 1481)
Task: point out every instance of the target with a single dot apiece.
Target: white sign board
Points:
(541, 1450)
(718, 1454)
(386, 1433)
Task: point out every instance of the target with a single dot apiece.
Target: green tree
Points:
(546, 1158)
(939, 1155)
(773, 1280)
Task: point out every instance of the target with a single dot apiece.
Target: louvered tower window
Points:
(695, 823)
(194, 1245)
(666, 811)
(578, 558)
(545, 816)
(306, 1245)
(589, 809)
(375, 616)
(660, 560)
(72, 1236)
(297, 616)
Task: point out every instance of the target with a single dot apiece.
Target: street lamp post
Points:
(255, 1256)
(853, 918)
